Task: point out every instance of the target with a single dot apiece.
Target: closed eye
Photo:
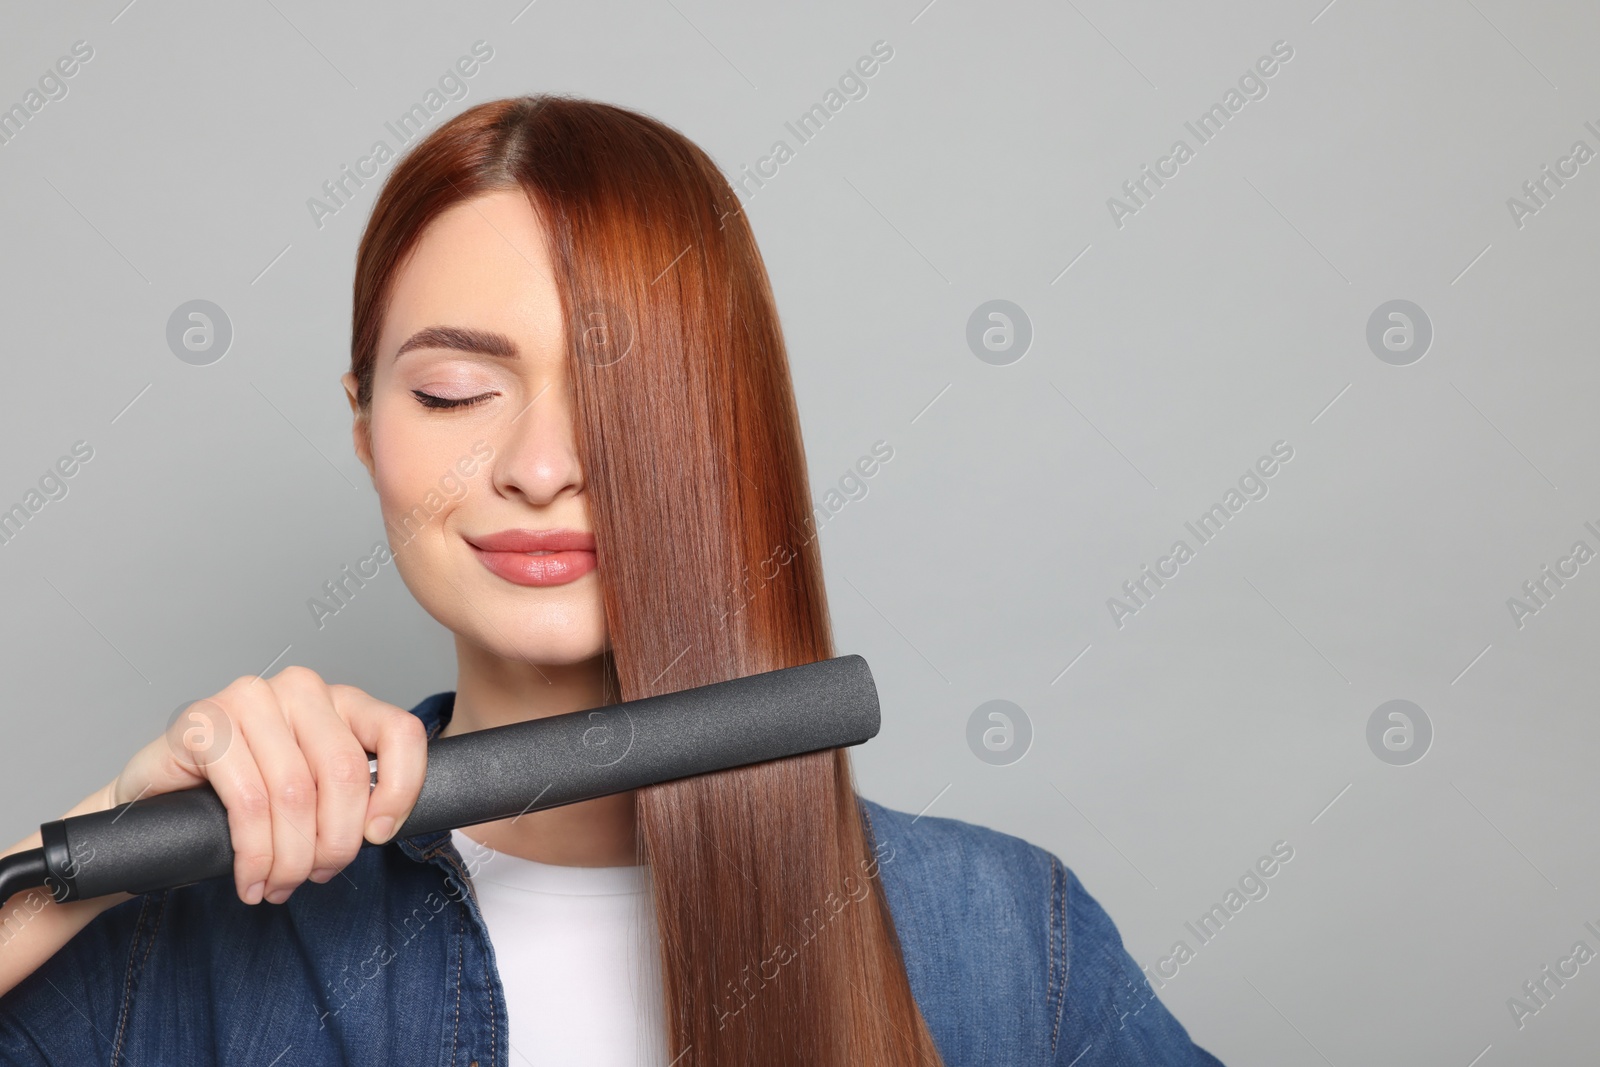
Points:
(428, 400)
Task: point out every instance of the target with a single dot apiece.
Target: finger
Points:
(338, 764)
(400, 742)
(291, 791)
(237, 781)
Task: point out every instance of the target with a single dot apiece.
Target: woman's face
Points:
(474, 315)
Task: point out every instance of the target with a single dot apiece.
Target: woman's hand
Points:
(287, 756)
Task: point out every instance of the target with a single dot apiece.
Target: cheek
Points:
(407, 469)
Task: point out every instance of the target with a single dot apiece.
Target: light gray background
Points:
(1229, 313)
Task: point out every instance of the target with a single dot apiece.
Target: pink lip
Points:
(566, 555)
(535, 541)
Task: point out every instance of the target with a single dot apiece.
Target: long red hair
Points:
(777, 944)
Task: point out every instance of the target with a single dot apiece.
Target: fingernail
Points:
(322, 874)
(278, 896)
(379, 829)
(253, 894)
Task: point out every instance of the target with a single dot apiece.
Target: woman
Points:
(570, 389)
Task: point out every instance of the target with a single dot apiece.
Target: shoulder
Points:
(1010, 957)
(981, 920)
(955, 870)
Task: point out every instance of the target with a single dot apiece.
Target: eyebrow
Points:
(461, 339)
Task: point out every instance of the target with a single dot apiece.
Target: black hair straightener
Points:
(174, 839)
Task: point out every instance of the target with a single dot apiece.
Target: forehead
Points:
(481, 263)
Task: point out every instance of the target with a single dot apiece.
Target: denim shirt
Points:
(1010, 959)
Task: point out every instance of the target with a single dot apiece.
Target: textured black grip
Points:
(152, 843)
(497, 773)
(173, 839)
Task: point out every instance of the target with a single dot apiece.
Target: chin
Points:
(542, 643)
(554, 653)
(558, 625)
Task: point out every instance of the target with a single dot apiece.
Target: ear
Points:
(360, 429)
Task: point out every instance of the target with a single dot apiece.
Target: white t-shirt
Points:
(577, 954)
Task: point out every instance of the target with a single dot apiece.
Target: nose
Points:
(536, 455)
